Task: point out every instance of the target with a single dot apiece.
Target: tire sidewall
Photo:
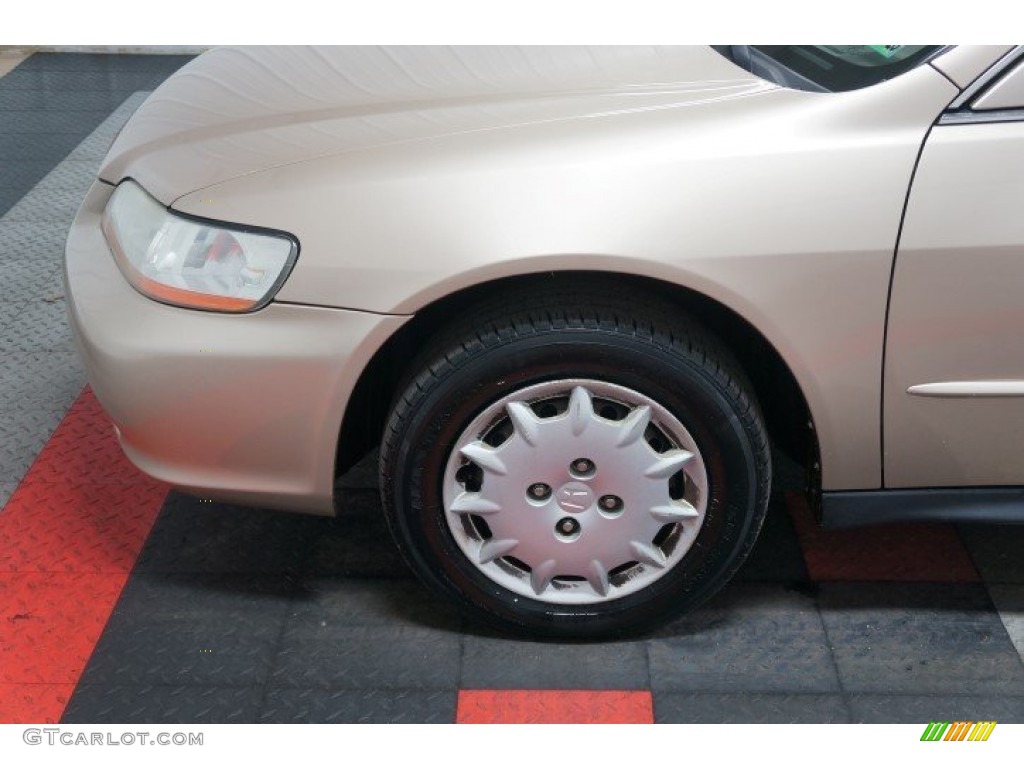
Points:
(685, 384)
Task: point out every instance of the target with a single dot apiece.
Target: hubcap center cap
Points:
(575, 497)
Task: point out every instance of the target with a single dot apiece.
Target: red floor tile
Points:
(912, 552)
(69, 537)
(50, 622)
(33, 703)
(562, 707)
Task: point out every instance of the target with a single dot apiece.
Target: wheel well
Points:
(785, 410)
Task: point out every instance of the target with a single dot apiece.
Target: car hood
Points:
(236, 111)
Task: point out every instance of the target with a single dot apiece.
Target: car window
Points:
(829, 67)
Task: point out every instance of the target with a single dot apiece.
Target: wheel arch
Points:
(787, 414)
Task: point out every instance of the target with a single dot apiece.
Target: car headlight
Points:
(191, 262)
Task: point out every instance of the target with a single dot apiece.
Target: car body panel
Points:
(963, 64)
(782, 205)
(244, 408)
(956, 315)
(235, 111)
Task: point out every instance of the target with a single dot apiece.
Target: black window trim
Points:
(959, 112)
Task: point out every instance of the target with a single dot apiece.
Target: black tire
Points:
(589, 333)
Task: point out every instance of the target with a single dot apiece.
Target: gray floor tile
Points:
(23, 433)
(6, 491)
(69, 176)
(25, 78)
(749, 708)
(1009, 601)
(751, 638)
(192, 536)
(502, 663)
(357, 542)
(919, 639)
(867, 708)
(345, 602)
(103, 62)
(36, 147)
(31, 241)
(41, 325)
(29, 281)
(191, 630)
(84, 101)
(162, 704)
(46, 207)
(19, 175)
(40, 379)
(368, 657)
(50, 120)
(296, 705)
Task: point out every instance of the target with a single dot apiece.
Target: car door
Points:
(953, 410)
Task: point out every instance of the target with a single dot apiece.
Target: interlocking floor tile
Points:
(750, 638)
(52, 120)
(45, 380)
(554, 707)
(195, 536)
(46, 207)
(84, 451)
(66, 101)
(951, 707)
(33, 703)
(30, 79)
(919, 639)
(44, 635)
(314, 705)
(357, 542)
(23, 433)
(31, 281)
(74, 526)
(41, 325)
(104, 62)
(18, 175)
(327, 603)
(162, 704)
(69, 176)
(749, 708)
(32, 147)
(497, 662)
(195, 630)
(1009, 601)
(22, 241)
(320, 654)
(6, 491)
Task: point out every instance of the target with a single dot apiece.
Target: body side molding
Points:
(848, 509)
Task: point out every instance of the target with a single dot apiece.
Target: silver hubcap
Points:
(575, 491)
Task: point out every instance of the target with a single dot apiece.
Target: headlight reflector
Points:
(191, 262)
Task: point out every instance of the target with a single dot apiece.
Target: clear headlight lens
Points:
(190, 262)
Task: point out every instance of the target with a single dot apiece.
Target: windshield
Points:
(829, 67)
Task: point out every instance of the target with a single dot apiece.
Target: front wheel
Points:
(576, 469)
